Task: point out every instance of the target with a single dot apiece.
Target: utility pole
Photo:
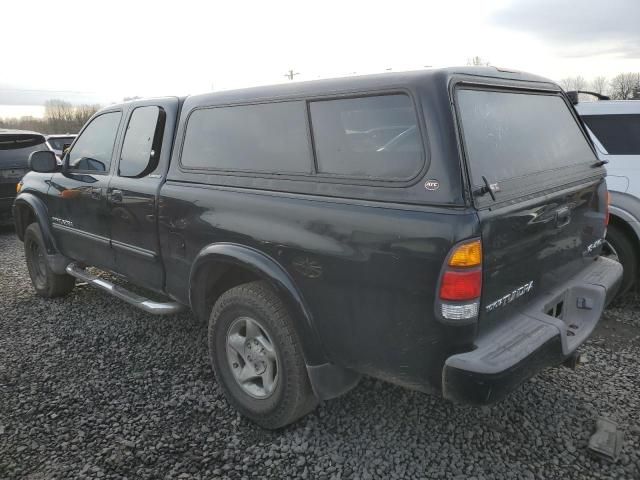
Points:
(290, 74)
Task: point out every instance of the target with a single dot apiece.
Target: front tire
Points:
(256, 356)
(620, 247)
(45, 281)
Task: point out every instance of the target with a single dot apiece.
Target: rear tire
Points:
(256, 355)
(46, 283)
(621, 248)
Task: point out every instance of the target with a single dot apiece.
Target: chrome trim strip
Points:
(150, 306)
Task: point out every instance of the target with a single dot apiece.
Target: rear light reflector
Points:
(461, 285)
(460, 312)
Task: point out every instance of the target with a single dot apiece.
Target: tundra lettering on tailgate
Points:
(510, 297)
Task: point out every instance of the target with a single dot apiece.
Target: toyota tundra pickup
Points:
(438, 229)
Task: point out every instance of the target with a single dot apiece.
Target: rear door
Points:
(539, 192)
(133, 190)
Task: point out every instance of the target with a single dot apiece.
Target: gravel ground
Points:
(92, 388)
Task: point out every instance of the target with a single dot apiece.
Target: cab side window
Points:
(93, 149)
(142, 142)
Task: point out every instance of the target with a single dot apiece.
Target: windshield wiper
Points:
(599, 163)
(488, 188)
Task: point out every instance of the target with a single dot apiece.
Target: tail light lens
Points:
(460, 286)
(606, 215)
(467, 255)
(461, 282)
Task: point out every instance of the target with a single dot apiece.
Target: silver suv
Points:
(614, 126)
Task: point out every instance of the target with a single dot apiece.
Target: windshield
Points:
(57, 143)
(509, 135)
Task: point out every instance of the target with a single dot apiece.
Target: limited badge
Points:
(432, 185)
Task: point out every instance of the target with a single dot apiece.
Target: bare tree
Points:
(478, 62)
(82, 113)
(59, 117)
(573, 83)
(622, 86)
(599, 85)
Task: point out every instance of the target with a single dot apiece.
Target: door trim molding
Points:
(142, 252)
(81, 233)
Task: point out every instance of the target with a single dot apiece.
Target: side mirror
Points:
(43, 161)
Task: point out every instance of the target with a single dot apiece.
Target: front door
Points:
(133, 190)
(77, 197)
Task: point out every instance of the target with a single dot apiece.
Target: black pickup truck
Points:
(437, 229)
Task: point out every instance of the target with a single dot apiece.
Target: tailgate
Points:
(531, 247)
(539, 191)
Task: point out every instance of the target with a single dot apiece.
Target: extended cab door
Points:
(133, 190)
(77, 197)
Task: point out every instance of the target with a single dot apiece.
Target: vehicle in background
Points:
(437, 229)
(15, 147)
(614, 126)
(58, 143)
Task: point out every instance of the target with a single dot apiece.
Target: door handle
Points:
(96, 193)
(116, 195)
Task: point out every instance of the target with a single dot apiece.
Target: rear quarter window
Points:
(269, 138)
(367, 137)
(618, 134)
(509, 135)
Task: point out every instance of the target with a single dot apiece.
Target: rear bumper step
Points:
(150, 306)
(532, 339)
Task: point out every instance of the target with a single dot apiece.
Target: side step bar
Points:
(156, 308)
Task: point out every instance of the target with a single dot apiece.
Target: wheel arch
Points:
(221, 266)
(627, 222)
(28, 208)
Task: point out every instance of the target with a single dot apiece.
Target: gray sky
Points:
(86, 51)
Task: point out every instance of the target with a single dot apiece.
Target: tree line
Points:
(59, 117)
(624, 86)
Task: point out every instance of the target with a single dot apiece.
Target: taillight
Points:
(461, 282)
(606, 213)
(461, 286)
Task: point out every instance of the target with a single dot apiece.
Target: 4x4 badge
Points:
(432, 185)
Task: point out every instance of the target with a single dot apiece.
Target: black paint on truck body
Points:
(357, 260)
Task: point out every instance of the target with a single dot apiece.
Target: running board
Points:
(156, 308)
